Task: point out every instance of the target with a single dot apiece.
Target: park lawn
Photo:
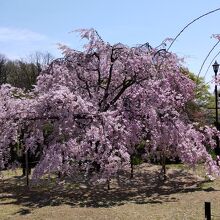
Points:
(182, 196)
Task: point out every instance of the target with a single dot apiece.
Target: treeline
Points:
(23, 73)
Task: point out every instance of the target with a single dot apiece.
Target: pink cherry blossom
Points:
(90, 110)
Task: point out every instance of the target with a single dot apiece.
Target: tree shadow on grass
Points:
(145, 187)
(23, 211)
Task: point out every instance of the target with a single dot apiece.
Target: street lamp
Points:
(215, 69)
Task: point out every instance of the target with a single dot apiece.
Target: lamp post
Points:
(215, 68)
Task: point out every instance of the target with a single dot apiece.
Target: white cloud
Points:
(17, 34)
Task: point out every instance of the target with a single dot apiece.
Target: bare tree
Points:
(40, 59)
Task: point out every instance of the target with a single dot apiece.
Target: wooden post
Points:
(207, 211)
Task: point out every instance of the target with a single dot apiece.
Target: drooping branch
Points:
(85, 82)
(49, 117)
(103, 102)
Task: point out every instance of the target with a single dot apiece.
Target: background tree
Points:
(24, 72)
(199, 109)
(3, 74)
(40, 59)
(21, 75)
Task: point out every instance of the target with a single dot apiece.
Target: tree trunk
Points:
(108, 184)
(164, 167)
(132, 171)
(132, 168)
(27, 168)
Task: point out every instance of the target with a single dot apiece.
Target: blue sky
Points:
(27, 26)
